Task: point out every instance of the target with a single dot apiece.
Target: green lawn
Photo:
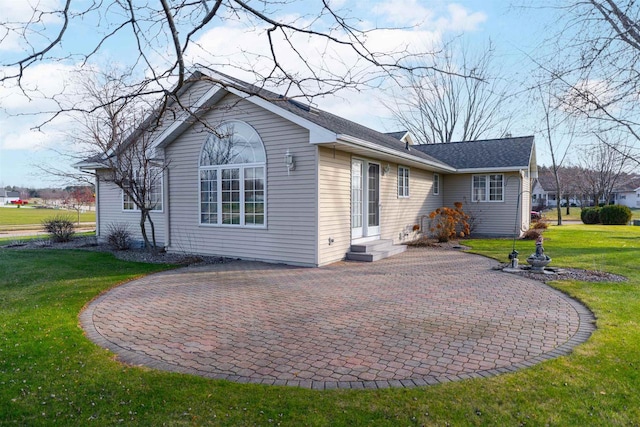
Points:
(12, 217)
(50, 373)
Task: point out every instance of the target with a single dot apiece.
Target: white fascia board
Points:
(357, 142)
(317, 134)
(487, 170)
(88, 165)
(179, 125)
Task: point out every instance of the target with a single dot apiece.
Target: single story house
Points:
(627, 194)
(6, 197)
(281, 181)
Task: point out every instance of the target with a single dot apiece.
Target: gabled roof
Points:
(628, 184)
(342, 127)
(503, 153)
(397, 135)
(327, 128)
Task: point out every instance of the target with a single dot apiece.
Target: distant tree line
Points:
(69, 196)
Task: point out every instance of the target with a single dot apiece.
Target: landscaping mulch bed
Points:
(161, 257)
(569, 274)
(134, 255)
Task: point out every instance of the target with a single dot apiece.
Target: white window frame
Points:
(242, 167)
(241, 174)
(436, 184)
(486, 197)
(125, 199)
(404, 177)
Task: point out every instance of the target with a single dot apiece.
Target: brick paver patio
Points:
(422, 317)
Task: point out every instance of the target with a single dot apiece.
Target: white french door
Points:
(365, 199)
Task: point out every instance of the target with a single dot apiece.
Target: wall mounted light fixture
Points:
(386, 169)
(289, 162)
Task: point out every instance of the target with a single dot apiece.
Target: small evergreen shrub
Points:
(615, 215)
(60, 228)
(590, 215)
(119, 236)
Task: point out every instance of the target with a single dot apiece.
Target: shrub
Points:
(615, 215)
(119, 236)
(59, 227)
(540, 224)
(532, 234)
(447, 223)
(590, 215)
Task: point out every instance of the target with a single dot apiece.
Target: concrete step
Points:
(376, 255)
(372, 246)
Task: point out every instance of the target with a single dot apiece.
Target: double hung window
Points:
(487, 188)
(152, 192)
(403, 181)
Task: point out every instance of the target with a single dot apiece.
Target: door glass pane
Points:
(356, 194)
(374, 195)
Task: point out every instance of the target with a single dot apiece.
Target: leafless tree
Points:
(443, 107)
(558, 130)
(602, 166)
(117, 135)
(598, 65)
(301, 54)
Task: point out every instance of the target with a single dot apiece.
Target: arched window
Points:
(232, 177)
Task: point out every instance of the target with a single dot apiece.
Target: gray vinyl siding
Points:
(188, 99)
(291, 232)
(334, 186)
(398, 215)
(110, 206)
(491, 218)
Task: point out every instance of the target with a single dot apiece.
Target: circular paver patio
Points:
(422, 317)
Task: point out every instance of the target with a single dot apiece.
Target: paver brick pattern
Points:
(422, 317)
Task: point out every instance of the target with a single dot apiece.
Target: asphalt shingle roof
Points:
(331, 122)
(488, 153)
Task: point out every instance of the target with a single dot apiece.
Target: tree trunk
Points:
(143, 218)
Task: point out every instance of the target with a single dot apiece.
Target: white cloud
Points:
(403, 12)
(23, 138)
(15, 13)
(23, 10)
(41, 83)
(461, 19)
(20, 112)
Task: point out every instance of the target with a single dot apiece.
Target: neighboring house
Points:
(540, 196)
(293, 184)
(6, 197)
(627, 196)
(628, 193)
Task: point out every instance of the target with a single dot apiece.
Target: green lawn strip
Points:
(551, 215)
(11, 216)
(50, 373)
(25, 239)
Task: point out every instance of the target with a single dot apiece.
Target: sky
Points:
(515, 32)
